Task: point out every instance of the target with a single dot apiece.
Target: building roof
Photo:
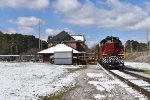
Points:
(65, 37)
(47, 51)
(78, 37)
(58, 48)
(62, 36)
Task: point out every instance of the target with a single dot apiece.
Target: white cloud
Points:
(23, 30)
(71, 32)
(52, 32)
(11, 31)
(109, 14)
(66, 6)
(143, 25)
(8, 30)
(27, 21)
(92, 43)
(30, 4)
(27, 30)
(27, 24)
(147, 6)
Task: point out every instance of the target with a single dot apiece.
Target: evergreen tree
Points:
(18, 43)
(135, 46)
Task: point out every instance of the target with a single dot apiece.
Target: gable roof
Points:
(62, 36)
(58, 48)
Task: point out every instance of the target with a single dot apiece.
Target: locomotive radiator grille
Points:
(113, 59)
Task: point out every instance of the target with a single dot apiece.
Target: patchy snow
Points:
(78, 37)
(93, 75)
(137, 65)
(103, 83)
(71, 66)
(99, 97)
(26, 81)
(122, 74)
(107, 85)
(97, 85)
(139, 82)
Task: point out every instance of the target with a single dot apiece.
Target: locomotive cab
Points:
(111, 52)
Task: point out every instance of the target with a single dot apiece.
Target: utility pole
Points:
(16, 49)
(41, 44)
(39, 34)
(11, 49)
(131, 46)
(148, 45)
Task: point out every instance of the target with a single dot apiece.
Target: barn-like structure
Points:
(64, 49)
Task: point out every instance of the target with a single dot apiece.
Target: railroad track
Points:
(135, 81)
(138, 76)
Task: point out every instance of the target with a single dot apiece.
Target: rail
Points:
(133, 85)
(138, 76)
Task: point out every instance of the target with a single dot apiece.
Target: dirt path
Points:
(86, 91)
(83, 90)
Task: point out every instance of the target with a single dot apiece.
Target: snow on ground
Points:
(137, 65)
(28, 81)
(93, 75)
(103, 83)
(106, 84)
(98, 96)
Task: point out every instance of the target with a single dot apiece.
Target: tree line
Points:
(135, 46)
(130, 46)
(14, 44)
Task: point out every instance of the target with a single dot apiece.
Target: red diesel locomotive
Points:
(111, 52)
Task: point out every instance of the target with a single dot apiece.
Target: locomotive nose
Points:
(112, 52)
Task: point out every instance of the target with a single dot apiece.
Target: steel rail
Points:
(138, 76)
(136, 87)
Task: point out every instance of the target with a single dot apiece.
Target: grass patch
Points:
(58, 95)
(77, 69)
(147, 72)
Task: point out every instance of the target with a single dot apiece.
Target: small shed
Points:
(63, 57)
(59, 54)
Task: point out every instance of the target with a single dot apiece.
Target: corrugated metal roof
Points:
(58, 48)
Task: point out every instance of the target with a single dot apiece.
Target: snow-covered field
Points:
(137, 65)
(28, 81)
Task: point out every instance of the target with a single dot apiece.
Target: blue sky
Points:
(95, 19)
